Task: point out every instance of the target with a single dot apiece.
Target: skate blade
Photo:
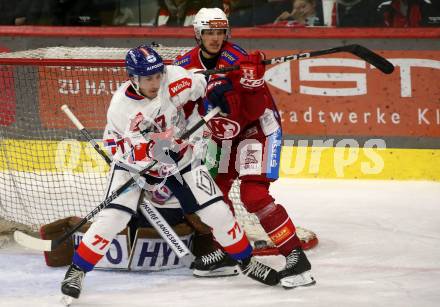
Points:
(221, 272)
(66, 300)
(301, 280)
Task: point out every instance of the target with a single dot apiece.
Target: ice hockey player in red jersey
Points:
(250, 131)
(149, 102)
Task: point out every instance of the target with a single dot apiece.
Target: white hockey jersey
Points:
(129, 112)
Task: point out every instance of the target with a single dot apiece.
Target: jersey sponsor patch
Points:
(183, 61)
(273, 154)
(224, 128)
(268, 122)
(228, 57)
(179, 86)
(250, 159)
(218, 24)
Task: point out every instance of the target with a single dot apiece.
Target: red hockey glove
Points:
(221, 93)
(252, 71)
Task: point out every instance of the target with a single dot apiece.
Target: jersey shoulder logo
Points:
(224, 128)
(182, 61)
(179, 86)
(229, 57)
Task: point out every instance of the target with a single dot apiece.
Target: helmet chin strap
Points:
(134, 80)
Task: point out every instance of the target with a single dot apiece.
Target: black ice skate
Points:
(258, 271)
(72, 283)
(297, 271)
(214, 264)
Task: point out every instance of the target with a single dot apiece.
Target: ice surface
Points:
(379, 246)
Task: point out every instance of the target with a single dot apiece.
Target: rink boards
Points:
(349, 162)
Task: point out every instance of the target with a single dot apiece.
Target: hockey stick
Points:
(86, 133)
(360, 51)
(49, 245)
(165, 230)
(147, 209)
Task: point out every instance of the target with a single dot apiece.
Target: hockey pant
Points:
(196, 191)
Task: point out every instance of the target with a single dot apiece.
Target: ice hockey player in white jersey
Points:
(145, 120)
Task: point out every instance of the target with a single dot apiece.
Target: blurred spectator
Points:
(22, 12)
(123, 16)
(431, 13)
(304, 13)
(180, 12)
(402, 13)
(76, 13)
(12, 13)
(129, 13)
(358, 13)
(246, 13)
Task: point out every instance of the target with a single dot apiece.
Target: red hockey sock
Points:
(85, 258)
(281, 230)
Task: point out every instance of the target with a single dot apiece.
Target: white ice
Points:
(379, 246)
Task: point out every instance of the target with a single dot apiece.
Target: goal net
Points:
(47, 171)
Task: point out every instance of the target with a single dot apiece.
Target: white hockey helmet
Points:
(210, 18)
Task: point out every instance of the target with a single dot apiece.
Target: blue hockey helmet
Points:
(143, 61)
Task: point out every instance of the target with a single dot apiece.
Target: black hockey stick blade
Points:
(223, 70)
(371, 57)
(360, 51)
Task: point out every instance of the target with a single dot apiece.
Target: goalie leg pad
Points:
(62, 255)
(97, 239)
